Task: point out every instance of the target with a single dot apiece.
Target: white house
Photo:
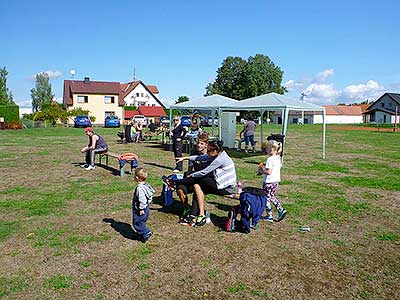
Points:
(137, 94)
(383, 110)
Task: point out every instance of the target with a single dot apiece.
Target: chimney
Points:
(86, 80)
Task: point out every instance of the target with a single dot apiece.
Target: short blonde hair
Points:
(272, 144)
(141, 173)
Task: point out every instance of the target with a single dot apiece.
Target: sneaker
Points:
(84, 166)
(146, 237)
(90, 167)
(176, 171)
(282, 215)
(208, 218)
(268, 218)
(201, 220)
(188, 221)
(246, 151)
(238, 150)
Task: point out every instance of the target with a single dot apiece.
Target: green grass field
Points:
(65, 233)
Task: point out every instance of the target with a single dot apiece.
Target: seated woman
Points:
(222, 182)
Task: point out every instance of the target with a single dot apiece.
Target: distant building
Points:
(108, 98)
(335, 114)
(383, 110)
(341, 114)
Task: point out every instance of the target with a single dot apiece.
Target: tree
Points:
(6, 96)
(240, 79)
(182, 99)
(42, 94)
(52, 112)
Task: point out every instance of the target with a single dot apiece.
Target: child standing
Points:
(271, 179)
(142, 196)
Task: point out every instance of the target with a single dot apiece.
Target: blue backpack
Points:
(167, 192)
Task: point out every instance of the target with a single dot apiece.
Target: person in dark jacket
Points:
(142, 197)
(178, 132)
(96, 144)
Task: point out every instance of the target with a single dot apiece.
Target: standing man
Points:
(178, 132)
(249, 134)
(96, 145)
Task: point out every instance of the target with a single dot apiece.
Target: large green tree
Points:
(42, 93)
(240, 79)
(6, 96)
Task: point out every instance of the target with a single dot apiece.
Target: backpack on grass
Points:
(231, 221)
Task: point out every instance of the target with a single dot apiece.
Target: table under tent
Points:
(225, 108)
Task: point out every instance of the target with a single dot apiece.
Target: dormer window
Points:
(383, 104)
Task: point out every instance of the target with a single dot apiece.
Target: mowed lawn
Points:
(65, 233)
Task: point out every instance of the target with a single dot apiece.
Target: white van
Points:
(140, 118)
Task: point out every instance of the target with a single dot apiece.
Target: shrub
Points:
(10, 113)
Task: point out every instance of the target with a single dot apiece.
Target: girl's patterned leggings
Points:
(270, 190)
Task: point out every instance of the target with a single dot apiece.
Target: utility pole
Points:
(395, 119)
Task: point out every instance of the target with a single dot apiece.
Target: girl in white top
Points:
(271, 179)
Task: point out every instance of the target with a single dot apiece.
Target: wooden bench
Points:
(106, 155)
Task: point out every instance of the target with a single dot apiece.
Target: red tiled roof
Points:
(147, 111)
(129, 114)
(151, 111)
(153, 89)
(92, 87)
(343, 110)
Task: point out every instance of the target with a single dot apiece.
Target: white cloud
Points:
(292, 85)
(50, 73)
(25, 104)
(321, 93)
(360, 92)
(323, 75)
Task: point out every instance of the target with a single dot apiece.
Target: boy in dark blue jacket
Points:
(142, 196)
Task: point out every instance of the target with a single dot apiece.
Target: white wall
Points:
(334, 119)
(147, 99)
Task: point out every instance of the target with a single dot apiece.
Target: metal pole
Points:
(262, 133)
(323, 133)
(284, 129)
(395, 120)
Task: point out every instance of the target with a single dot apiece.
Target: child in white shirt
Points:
(271, 179)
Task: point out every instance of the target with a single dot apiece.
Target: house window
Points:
(109, 113)
(372, 117)
(82, 99)
(142, 94)
(383, 104)
(137, 94)
(153, 105)
(108, 99)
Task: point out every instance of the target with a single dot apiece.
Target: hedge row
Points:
(10, 113)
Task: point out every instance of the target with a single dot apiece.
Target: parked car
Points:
(112, 121)
(164, 120)
(186, 121)
(82, 121)
(140, 118)
(207, 121)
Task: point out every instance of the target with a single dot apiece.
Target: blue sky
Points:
(332, 51)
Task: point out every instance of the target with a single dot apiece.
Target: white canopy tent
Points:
(263, 103)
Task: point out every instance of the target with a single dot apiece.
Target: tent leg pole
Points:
(323, 134)
(262, 131)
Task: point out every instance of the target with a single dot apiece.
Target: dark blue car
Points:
(112, 121)
(82, 121)
(186, 121)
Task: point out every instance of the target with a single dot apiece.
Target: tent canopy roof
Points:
(271, 101)
(208, 102)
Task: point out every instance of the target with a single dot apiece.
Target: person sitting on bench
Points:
(96, 144)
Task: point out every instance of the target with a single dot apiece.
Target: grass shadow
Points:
(158, 165)
(123, 229)
(221, 206)
(218, 221)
